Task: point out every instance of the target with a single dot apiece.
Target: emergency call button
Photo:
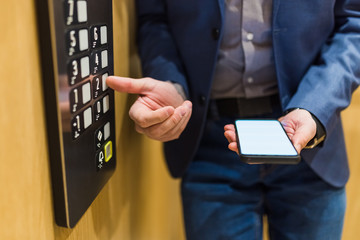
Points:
(108, 151)
(104, 155)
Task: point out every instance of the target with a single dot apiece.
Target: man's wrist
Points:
(179, 89)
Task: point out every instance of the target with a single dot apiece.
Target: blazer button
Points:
(216, 33)
(202, 100)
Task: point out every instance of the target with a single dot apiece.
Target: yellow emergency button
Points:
(108, 151)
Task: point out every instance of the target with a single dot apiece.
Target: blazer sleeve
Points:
(327, 86)
(159, 55)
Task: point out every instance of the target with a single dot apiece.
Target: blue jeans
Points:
(224, 198)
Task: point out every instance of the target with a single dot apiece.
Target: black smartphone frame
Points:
(265, 158)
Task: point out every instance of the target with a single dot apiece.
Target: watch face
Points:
(319, 135)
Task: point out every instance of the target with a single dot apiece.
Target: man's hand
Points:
(159, 112)
(300, 127)
(298, 124)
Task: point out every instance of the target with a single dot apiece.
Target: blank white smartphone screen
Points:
(263, 137)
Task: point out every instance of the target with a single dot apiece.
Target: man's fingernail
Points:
(189, 104)
(169, 111)
(183, 112)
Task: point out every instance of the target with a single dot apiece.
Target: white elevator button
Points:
(107, 131)
(104, 85)
(85, 68)
(82, 11)
(87, 118)
(103, 34)
(86, 93)
(104, 59)
(83, 40)
(106, 104)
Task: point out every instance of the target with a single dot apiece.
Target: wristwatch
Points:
(319, 135)
(320, 131)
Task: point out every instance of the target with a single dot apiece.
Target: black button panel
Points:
(87, 51)
(98, 36)
(93, 64)
(101, 107)
(102, 134)
(99, 85)
(80, 96)
(75, 11)
(103, 145)
(76, 39)
(78, 69)
(81, 122)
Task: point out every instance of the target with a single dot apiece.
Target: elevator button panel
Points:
(77, 57)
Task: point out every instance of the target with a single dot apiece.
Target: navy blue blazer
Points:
(317, 58)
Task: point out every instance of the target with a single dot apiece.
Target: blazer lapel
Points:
(221, 4)
(276, 4)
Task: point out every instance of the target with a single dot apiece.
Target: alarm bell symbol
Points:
(99, 136)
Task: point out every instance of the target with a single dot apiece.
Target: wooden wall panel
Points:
(351, 122)
(25, 200)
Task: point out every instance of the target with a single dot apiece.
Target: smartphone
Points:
(263, 141)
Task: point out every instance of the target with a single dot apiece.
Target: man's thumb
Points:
(299, 140)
